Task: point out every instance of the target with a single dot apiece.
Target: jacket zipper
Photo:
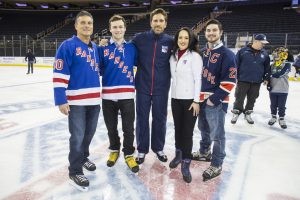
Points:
(153, 59)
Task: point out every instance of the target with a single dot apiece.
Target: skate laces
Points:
(199, 155)
(88, 164)
(81, 178)
(213, 170)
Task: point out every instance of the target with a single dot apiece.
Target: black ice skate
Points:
(88, 165)
(80, 182)
(211, 172)
(162, 156)
(177, 160)
(202, 156)
(140, 158)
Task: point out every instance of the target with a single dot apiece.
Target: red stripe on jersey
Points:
(202, 97)
(118, 90)
(60, 80)
(84, 96)
(228, 86)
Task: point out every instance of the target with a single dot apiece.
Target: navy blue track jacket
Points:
(153, 67)
(253, 65)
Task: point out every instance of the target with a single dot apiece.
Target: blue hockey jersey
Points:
(218, 75)
(116, 67)
(76, 73)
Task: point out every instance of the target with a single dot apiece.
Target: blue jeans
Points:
(211, 122)
(82, 126)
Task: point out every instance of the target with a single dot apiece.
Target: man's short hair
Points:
(213, 21)
(159, 11)
(117, 18)
(83, 13)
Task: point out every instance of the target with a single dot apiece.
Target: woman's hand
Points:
(196, 108)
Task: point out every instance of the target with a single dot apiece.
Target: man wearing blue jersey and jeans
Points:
(116, 66)
(77, 94)
(218, 80)
(152, 85)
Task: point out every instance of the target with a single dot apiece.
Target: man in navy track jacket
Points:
(152, 85)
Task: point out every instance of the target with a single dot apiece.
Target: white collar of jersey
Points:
(111, 41)
(215, 46)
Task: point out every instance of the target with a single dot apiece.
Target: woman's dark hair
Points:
(193, 41)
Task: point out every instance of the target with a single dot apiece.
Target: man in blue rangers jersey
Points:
(116, 65)
(77, 94)
(218, 80)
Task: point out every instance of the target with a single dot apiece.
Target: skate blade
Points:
(205, 178)
(81, 188)
(202, 159)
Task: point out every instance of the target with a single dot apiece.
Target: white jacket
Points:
(186, 75)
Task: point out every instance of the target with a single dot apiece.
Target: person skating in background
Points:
(253, 68)
(30, 59)
(186, 67)
(279, 86)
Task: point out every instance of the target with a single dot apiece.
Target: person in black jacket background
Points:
(253, 68)
(30, 58)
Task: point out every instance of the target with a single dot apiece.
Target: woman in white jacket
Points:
(186, 67)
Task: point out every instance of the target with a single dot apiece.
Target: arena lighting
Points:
(21, 4)
(125, 4)
(65, 6)
(106, 5)
(44, 6)
(175, 2)
(146, 3)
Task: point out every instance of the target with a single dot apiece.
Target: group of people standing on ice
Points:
(200, 80)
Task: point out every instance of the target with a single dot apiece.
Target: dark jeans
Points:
(278, 101)
(211, 122)
(30, 67)
(82, 126)
(184, 123)
(243, 89)
(110, 113)
(159, 121)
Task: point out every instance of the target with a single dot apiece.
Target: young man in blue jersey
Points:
(152, 85)
(77, 94)
(116, 66)
(218, 80)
